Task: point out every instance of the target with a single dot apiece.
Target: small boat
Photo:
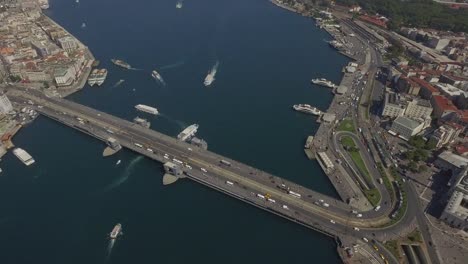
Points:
(116, 231)
(118, 162)
(83, 25)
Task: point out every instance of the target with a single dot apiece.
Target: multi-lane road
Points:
(335, 219)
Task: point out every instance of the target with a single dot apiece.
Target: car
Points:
(354, 211)
(321, 200)
(359, 215)
(188, 166)
(375, 247)
(166, 157)
(203, 169)
(332, 221)
(356, 229)
(190, 149)
(365, 239)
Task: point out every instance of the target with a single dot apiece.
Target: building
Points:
(64, 76)
(438, 43)
(405, 127)
(442, 106)
(341, 89)
(40, 48)
(455, 213)
(462, 102)
(450, 91)
(427, 90)
(68, 43)
(407, 85)
(418, 108)
(445, 134)
(394, 106)
(451, 162)
(5, 104)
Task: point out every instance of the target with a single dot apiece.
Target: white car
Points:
(356, 229)
(190, 149)
(359, 215)
(203, 169)
(188, 166)
(332, 221)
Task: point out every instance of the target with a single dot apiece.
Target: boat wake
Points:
(118, 83)
(110, 246)
(179, 123)
(125, 175)
(173, 65)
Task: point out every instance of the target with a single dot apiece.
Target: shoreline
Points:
(322, 137)
(65, 91)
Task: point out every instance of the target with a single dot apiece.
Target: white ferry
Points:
(147, 109)
(323, 82)
(24, 156)
(209, 79)
(308, 109)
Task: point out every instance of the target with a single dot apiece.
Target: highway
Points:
(248, 181)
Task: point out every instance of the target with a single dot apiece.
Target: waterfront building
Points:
(5, 104)
(418, 108)
(394, 106)
(64, 76)
(405, 127)
(68, 43)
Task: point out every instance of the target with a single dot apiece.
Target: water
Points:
(61, 209)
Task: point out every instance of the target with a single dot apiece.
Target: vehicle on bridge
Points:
(225, 162)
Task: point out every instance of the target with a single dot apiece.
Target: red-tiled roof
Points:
(461, 149)
(444, 103)
(374, 20)
(424, 84)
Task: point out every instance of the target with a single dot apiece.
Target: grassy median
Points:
(347, 125)
(372, 194)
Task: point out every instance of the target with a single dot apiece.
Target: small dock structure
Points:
(173, 173)
(112, 147)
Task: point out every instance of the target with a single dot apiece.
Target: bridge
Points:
(233, 178)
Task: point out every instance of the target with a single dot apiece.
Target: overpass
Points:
(238, 180)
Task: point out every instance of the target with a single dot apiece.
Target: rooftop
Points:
(407, 122)
(444, 103)
(455, 160)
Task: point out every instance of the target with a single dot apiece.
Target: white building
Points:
(68, 43)
(5, 104)
(456, 211)
(418, 108)
(64, 76)
(449, 161)
(405, 127)
(393, 105)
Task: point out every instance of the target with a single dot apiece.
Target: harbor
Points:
(219, 126)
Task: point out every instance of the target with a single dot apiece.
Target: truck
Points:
(138, 145)
(225, 162)
(295, 194)
(260, 196)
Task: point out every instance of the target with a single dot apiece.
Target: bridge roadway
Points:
(247, 181)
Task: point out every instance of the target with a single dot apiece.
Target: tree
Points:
(413, 166)
(417, 141)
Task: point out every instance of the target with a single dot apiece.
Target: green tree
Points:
(413, 166)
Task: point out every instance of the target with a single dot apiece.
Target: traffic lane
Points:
(385, 196)
(262, 187)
